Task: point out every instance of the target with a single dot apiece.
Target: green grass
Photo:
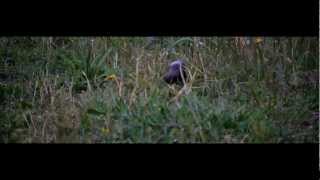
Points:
(59, 92)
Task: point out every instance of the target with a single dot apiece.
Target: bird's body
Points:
(176, 73)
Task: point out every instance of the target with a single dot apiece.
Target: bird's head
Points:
(176, 73)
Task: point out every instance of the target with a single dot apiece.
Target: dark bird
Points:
(176, 73)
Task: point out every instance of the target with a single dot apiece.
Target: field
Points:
(111, 90)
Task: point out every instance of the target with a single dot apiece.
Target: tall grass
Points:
(110, 90)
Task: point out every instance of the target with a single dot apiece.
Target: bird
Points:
(176, 73)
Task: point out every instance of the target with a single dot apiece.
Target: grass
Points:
(110, 90)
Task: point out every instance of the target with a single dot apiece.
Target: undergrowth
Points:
(110, 90)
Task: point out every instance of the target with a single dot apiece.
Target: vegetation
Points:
(111, 90)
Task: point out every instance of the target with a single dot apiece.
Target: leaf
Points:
(111, 77)
(95, 112)
(88, 82)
